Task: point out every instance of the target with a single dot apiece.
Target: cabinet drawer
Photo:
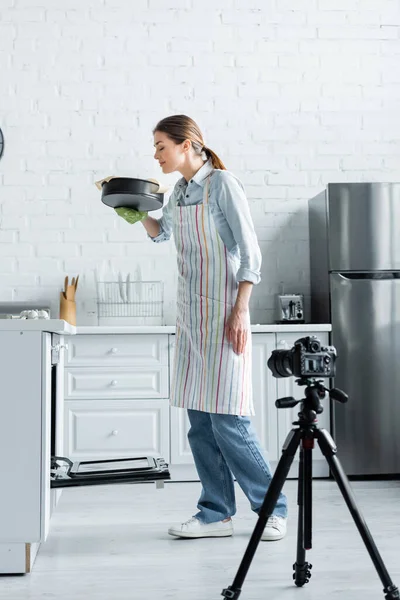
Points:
(120, 350)
(96, 383)
(115, 429)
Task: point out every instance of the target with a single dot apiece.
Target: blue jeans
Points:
(223, 445)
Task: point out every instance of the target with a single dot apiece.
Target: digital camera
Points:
(307, 358)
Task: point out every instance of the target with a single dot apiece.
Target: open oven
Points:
(67, 473)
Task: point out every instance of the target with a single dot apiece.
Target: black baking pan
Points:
(139, 194)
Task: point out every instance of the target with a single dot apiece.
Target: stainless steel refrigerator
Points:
(355, 285)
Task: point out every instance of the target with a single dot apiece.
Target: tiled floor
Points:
(111, 543)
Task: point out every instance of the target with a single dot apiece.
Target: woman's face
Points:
(170, 155)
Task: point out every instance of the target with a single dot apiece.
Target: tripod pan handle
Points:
(287, 402)
(338, 395)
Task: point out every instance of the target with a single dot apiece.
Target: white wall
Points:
(291, 94)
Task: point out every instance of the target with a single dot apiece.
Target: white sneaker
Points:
(275, 529)
(193, 528)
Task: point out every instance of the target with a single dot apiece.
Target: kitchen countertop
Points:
(48, 325)
(257, 328)
(62, 327)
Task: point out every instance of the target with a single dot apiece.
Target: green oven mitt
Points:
(130, 214)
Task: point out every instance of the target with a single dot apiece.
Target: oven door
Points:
(66, 473)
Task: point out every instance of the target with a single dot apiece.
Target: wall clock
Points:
(1, 143)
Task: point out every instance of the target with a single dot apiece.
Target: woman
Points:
(218, 263)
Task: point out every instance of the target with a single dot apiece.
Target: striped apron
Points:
(207, 375)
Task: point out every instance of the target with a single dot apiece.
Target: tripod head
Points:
(313, 394)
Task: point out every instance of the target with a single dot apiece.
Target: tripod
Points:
(303, 436)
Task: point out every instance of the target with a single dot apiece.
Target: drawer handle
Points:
(114, 432)
(114, 382)
(114, 350)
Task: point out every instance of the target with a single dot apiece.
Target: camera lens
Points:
(280, 363)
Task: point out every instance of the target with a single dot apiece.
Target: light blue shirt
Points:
(230, 211)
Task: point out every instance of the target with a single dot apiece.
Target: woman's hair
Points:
(180, 128)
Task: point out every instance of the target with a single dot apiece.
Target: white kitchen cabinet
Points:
(30, 397)
(116, 396)
(25, 395)
(118, 350)
(105, 429)
(181, 453)
(93, 383)
(265, 420)
(287, 387)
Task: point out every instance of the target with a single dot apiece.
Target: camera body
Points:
(307, 358)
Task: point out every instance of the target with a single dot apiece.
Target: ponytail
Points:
(215, 159)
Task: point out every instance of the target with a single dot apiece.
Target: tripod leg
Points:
(302, 569)
(328, 448)
(307, 486)
(288, 453)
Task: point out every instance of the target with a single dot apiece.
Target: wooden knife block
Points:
(67, 310)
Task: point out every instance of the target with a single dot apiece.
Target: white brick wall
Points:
(292, 94)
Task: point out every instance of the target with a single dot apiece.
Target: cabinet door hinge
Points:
(55, 353)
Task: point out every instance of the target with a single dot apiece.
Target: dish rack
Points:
(130, 303)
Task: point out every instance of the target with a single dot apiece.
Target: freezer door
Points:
(364, 225)
(366, 334)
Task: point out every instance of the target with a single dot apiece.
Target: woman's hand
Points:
(236, 329)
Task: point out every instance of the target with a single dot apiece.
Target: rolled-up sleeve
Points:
(234, 205)
(165, 223)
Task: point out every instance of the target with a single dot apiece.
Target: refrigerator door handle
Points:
(368, 275)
